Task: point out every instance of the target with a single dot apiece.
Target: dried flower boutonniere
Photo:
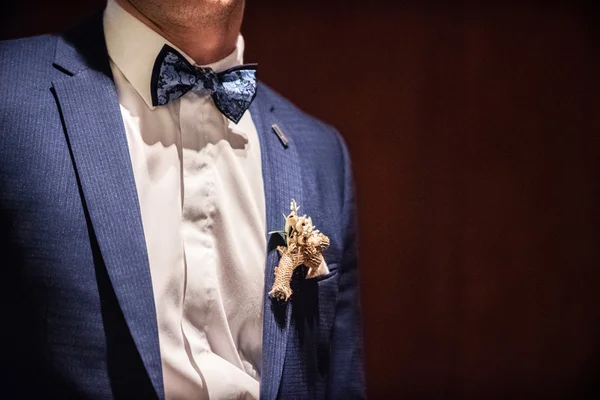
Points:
(304, 245)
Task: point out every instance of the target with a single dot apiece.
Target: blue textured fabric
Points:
(76, 295)
(232, 90)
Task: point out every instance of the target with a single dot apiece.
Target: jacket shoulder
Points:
(287, 109)
(26, 67)
(322, 149)
(30, 54)
(303, 127)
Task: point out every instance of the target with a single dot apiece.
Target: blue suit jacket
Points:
(76, 302)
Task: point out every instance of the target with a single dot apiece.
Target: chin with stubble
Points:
(187, 14)
(206, 30)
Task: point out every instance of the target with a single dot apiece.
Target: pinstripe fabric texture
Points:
(75, 294)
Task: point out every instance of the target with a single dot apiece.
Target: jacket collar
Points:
(82, 48)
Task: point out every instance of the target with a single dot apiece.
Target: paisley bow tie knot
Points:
(232, 90)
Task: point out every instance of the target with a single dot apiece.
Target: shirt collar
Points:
(133, 46)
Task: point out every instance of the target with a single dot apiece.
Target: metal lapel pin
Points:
(282, 138)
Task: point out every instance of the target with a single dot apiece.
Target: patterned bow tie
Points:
(232, 90)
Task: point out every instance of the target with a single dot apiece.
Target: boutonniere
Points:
(304, 245)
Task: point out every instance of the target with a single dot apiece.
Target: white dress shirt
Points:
(200, 188)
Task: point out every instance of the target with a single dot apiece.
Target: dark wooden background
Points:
(475, 134)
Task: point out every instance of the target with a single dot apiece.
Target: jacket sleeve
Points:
(347, 370)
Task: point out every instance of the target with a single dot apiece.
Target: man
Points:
(137, 190)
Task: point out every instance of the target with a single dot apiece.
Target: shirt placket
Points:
(199, 207)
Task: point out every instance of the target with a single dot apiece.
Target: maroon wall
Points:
(475, 134)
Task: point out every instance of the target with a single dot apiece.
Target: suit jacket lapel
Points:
(92, 119)
(282, 182)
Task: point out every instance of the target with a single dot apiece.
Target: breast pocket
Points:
(332, 267)
(313, 308)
